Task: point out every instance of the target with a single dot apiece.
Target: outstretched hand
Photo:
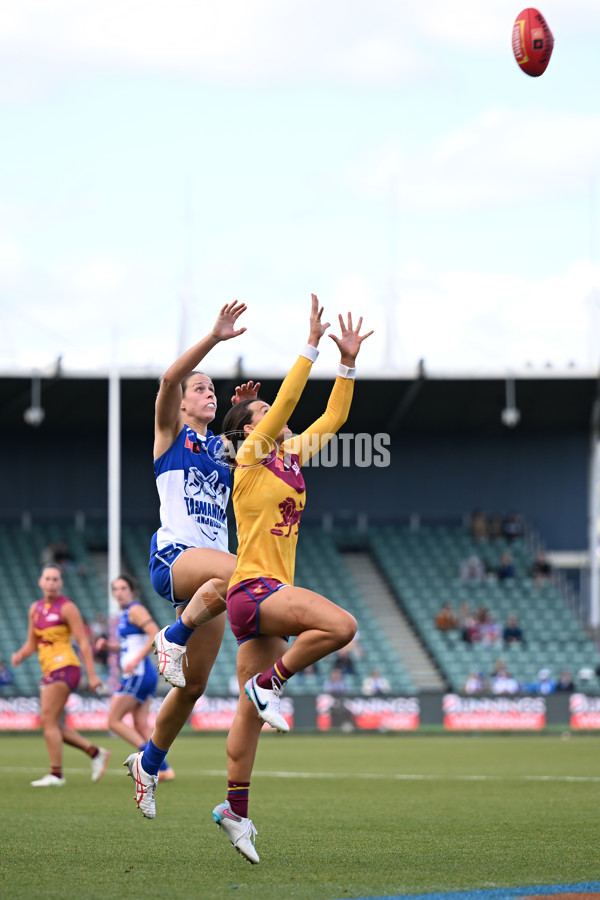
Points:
(224, 328)
(317, 328)
(246, 391)
(349, 343)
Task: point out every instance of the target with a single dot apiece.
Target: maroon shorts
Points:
(243, 601)
(71, 675)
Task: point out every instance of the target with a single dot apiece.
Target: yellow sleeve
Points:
(261, 441)
(314, 438)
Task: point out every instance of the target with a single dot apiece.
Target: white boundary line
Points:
(361, 776)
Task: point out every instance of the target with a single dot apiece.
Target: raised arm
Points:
(261, 440)
(314, 438)
(168, 418)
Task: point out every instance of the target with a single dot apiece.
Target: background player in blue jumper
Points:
(136, 631)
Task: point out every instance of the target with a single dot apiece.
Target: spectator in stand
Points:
(495, 527)
(446, 619)
(512, 633)
(464, 613)
(498, 666)
(59, 553)
(541, 570)
(512, 527)
(479, 526)
(472, 569)
(504, 683)
(585, 676)
(375, 683)
(6, 676)
(476, 684)
(565, 681)
(506, 568)
(490, 633)
(344, 662)
(545, 684)
(311, 671)
(470, 631)
(336, 683)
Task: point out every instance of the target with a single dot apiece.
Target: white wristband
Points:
(310, 352)
(346, 371)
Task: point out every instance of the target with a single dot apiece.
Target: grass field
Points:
(337, 817)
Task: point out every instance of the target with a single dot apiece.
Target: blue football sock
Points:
(152, 759)
(179, 633)
(164, 766)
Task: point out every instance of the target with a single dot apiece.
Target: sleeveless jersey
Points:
(193, 481)
(53, 636)
(132, 639)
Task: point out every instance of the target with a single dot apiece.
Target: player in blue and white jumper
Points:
(136, 631)
(190, 564)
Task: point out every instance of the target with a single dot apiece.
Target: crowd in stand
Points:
(501, 682)
(477, 626)
(480, 627)
(493, 527)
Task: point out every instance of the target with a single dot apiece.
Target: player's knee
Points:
(213, 595)
(346, 630)
(220, 586)
(48, 721)
(194, 688)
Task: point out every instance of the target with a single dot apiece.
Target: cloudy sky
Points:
(159, 159)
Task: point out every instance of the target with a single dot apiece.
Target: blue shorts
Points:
(140, 686)
(160, 565)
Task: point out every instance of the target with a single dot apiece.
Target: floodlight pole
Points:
(114, 482)
(114, 504)
(594, 516)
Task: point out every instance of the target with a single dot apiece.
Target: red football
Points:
(532, 42)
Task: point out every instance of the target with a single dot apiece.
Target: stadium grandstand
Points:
(387, 520)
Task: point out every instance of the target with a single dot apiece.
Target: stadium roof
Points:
(422, 404)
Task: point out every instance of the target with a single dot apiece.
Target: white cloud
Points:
(91, 277)
(246, 42)
(492, 321)
(499, 157)
(11, 258)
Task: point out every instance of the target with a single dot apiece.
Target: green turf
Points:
(337, 817)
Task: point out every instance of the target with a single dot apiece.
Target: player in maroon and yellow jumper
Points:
(53, 620)
(263, 606)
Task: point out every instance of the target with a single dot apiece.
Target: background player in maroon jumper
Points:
(53, 621)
